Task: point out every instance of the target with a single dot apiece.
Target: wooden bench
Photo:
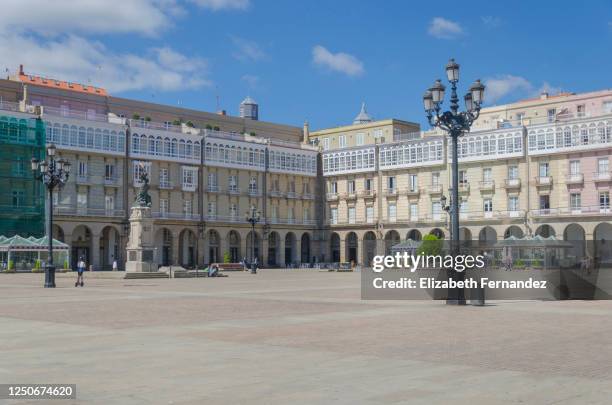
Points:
(230, 266)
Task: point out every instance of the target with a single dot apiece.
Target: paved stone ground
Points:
(299, 337)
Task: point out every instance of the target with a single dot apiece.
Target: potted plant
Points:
(11, 267)
(37, 267)
(227, 258)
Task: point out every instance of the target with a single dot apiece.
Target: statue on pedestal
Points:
(143, 199)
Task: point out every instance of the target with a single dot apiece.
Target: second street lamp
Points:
(53, 173)
(455, 123)
(253, 217)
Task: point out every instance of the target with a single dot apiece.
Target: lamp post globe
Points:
(253, 217)
(455, 124)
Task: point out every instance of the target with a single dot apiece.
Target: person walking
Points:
(80, 269)
(115, 265)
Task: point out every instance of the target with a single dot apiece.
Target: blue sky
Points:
(313, 60)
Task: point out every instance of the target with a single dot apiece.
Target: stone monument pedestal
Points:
(141, 243)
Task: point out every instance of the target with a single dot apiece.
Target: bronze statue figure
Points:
(143, 199)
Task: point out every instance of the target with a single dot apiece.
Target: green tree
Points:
(227, 258)
(431, 246)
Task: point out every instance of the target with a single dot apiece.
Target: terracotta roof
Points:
(59, 84)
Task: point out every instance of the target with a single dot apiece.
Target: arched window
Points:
(135, 143)
(151, 145)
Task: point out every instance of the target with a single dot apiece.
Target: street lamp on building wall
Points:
(455, 123)
(253, 217)
(53, 173)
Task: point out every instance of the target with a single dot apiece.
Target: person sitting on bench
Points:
(213, 270)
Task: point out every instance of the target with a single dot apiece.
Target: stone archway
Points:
(187, 248)
(214, 246)
(290, 248)
(602, 236)
(58, 233)
(350, 246)
(81, 245)
(234, 246)
(369, 248)
(465, 237)
(334, 247)
(414, 235)
(515, 231)
(438, 233)
(305, 248)
(392, 238)
(487, 236)
(110, 248)
(164, 242)
(545, 231)
(273, 248)
(575, 234)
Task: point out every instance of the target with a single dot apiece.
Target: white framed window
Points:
(212, 181)
(82, 169)
(253, 185)
(190, 178)
(414, 182)
(351, 215)
(291, 215)
(109, 172)
(369, 214)
(391, 183)
(333, 187)
(368, 184)
(360, 138)
(551, 113)
(325, 143)
(487, 174)
(342, 141)
(163, 207)
(463, 178)
(580, 110)
(435, 178)
(306, 214)
(333, 215)
(574, 167)
(138, 168)
(164, 177)
(392, 212)
(488, 205)
(513, 203)
(274, 212)
(575, 201)
(544, 169)
(233, 211)
(603, 166)
(414, 212)
(513, 173)
(436, 210)
(109, 204)
(233, 183)
(350, 186)
(187, 208)
(378, 133)
(604, 201)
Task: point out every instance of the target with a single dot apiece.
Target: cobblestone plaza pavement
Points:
(296, 336)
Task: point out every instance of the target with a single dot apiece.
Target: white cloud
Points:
(339, 62)
(216, 5)
(491, 21)
(504, 85)
(78, 59)
(251, 80)
(444, 29)
(247, 50)
(55, 17)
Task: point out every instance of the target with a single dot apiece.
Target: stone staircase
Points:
(146, 275)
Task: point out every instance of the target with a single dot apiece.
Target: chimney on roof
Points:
(21, 69)
(222, 112)
(543, 95)
(306, 133)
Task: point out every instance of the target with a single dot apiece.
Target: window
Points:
(414, 212)
(368, 184)
(607, 107)
(187, 208)
(212, 181)
(19, 168)
(488, 205)
(544, 202)
(463, 206)
(190, 176)
(18, 198)
(604, 201)
(463, 179)
(253, 185)
(391, 183)
(211, 210)
(325, 143)
(233, 183)
(369, 214)
(575, 201)
(109, 204)
(342, 141)
(436, 210)
(81, 202)
(109, 172)
(360, 139)
(350, 186)
(378, 133)
(164, 178)
(520, 117)
(274, 212)
(513, 173)
(435, 178)
(333, 214)
(392, 212)
(351, 215)
(574, 167)
(513, 204)
(233, 211)
(580, 110)
(291, 215)
(487, 174)
(551, 114)
(544, 169)
(82, 169)
(414, 182)
(333, 187)
(603, 166)
(139, 168)
(292, 186)
(163, 207)
(306, 214)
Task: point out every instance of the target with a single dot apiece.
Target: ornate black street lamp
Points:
(456, 124)
(253, 217)
(53, 173)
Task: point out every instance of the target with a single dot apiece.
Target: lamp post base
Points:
(50, 277)
(253, 268)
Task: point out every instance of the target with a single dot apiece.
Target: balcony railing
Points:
(367, 193)
(464, 187)
(351, 195)
(292, 194)
(253, 192)
(189, 187)
(574, 178)
(435, 189)
(308, 196)
(332, 196)
(176, 215)
(111, 181)
(212, 188)
(544, 181)
(412, 192)
(602, 176)
(512, 183)
(391, 192)
(166, 185)
(82, 179)
(71, 210)
(233, 190)
(487, 185)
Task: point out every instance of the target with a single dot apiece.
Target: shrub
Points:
(37, 264)
(147, 118)
(11, 265)
(227, 258)
(66, 265)
(176, 122)
(431, 246)
(520, 263)
(209, 127)
(216, 128)
(190, 124)
(136, 116)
